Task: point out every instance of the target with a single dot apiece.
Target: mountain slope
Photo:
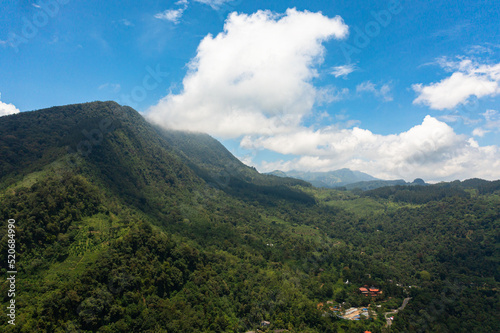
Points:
(118, 140)
(212, 162)
(145, 230)
(335, 178)
(95, 174)
(344, 179)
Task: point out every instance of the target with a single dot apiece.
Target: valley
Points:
(125, 226)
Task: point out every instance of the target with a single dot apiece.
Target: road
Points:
(389, 321)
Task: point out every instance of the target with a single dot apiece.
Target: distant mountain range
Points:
(344, 178)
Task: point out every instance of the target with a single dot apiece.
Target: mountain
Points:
(116, 140)
(344, 179)
(331, 179)
(212, 162)
(371, 184)
(124, 226)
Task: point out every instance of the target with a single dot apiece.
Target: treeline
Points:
(416, 194)
(46, 211)
(214, 271)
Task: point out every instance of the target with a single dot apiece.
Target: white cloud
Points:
(330, 94)
(479, 132)
(468, 79)
(343, 70)
(492, 123)
(112, 87)
(492, 118)
(172, 15)
(383, 92)
(6, 109)
(126, 23)
(215, 4)
(432, 151)
(456, 117)
(479, 49)
(253, 78)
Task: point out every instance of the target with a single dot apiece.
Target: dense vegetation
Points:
(154, 231)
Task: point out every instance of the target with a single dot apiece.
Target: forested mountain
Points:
(335, 178)
(344, 179)
(123, 226)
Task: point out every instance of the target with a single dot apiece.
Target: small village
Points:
(340, 310)
(352, 313)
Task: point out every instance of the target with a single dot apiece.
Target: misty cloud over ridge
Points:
(254, 82)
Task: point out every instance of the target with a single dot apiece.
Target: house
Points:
(350, 311)
(265, 323)
(364, 291)
(374, 291)
(371, 291)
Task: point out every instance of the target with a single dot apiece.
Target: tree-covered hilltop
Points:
(330, 179)
(122, 226)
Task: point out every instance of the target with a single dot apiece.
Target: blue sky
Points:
(395, 89)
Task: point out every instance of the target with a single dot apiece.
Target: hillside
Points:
(123, 226)
(344, 179)
(331, 179)
(374, 184)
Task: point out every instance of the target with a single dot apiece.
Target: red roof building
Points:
(372, 291)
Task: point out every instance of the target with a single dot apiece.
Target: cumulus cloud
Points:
(254, 82)
(383, 92)
(343, 70)
(431, 150)
(254, 77)
(468, 79)
(6, 109)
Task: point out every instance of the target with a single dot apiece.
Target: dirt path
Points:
(389, 320)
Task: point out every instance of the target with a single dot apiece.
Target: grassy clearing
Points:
(92, 237)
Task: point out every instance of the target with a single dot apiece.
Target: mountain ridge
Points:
(125, 226)
(335, 178)
(344, 178)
